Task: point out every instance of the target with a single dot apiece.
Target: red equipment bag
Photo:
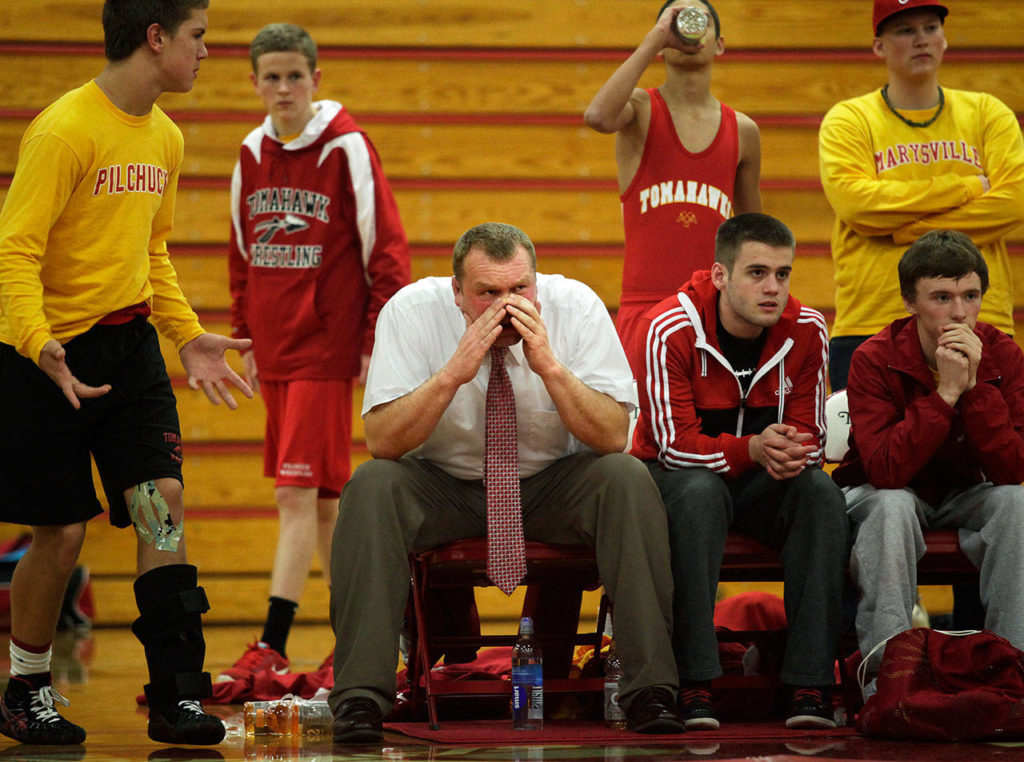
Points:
(938, 686)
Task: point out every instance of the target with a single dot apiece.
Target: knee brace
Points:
(171, 632)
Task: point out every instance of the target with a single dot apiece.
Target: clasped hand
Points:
(781, 450)
(957, 357)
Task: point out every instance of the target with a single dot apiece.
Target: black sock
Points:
(280, 615)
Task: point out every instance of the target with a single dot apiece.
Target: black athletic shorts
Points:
(132, 431)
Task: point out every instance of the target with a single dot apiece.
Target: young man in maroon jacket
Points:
(732, 430)
(937, 440)
(317, 248)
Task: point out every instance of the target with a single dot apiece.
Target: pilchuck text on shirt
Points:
(130, 178)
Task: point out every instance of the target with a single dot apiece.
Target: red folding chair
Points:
(556, 575)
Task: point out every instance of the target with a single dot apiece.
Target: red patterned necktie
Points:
(506, 553)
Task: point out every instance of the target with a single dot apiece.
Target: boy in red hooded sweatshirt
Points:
(317, 248)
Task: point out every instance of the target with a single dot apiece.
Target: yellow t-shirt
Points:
(83, 230)
(889, 183)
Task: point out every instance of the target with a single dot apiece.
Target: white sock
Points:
(28, 663)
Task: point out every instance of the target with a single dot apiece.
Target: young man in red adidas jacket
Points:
(937, 440)
(732, 429)
(317, 248)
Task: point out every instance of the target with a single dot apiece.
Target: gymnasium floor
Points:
(102, 674)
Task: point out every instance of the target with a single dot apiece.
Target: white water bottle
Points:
(614, 716)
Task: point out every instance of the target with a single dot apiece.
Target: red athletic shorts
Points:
(309, 433)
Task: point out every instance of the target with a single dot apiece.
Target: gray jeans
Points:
(390, 508)
(888, 543)
(804, 516)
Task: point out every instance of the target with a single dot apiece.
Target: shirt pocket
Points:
(544, 433)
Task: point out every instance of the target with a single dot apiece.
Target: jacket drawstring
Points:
(782, 389)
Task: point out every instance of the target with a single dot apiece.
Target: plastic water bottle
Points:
(527, 680)
(287, 717)
(614, 716)
(691, 24)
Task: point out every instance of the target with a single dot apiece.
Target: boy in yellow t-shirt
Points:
(83, 265)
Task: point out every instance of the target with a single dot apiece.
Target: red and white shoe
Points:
(258, 657)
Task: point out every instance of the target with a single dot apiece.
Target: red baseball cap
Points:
(884, 9)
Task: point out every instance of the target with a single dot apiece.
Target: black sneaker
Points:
(653, 710)
(186, 722)
(695, 706)
(27, 713)
(811, 709)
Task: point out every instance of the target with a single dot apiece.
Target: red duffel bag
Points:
(938, 686)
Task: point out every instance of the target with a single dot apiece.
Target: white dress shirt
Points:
(418, 331)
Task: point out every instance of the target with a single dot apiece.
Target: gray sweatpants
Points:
(391, 508)
(888, 543)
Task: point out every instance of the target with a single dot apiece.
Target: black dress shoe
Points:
(358, 721)
(653, 710)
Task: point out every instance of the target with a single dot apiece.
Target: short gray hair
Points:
(499, 242)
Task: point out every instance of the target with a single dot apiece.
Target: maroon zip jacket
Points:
(904, 434)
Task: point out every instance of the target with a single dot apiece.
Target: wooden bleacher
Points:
(476, 110)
